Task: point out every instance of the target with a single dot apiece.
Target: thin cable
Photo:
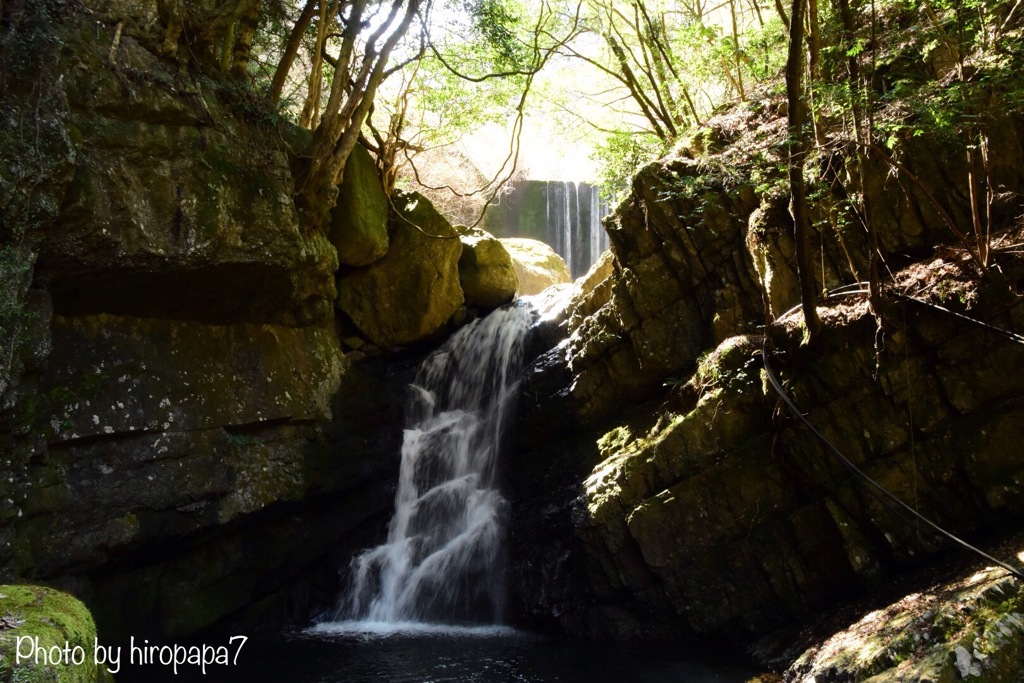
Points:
(1012, 336)
(876, 489)
(859, 288)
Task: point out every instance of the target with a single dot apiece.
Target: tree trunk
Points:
(291, 49)
(311, 108)
(814, 39)
(782, 15)
(736, 50)
(797, 155)
(346, 110)
(864, 142)
(245, 33)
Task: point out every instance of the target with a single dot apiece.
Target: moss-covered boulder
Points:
(966, 629)
(485, 271)
(536, 264)
(411, 293)
(359, 220)
(53, 633)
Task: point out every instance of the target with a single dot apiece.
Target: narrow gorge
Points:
(585, 440)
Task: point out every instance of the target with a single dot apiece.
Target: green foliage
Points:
(936, 67)
(621, 155)
(444, 106)
(497, 25)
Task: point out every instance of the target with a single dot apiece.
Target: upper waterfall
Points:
(564, 214)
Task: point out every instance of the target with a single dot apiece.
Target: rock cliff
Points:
(184, 439)
(662, 488)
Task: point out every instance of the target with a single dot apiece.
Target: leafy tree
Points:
(478, 68)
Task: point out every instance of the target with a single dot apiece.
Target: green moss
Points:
(51, 619)
(733, 365)
(359, 220)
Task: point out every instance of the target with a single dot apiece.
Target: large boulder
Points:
(411, 293)
(46, 619)
(359, 220)
(536, 264)
(486, 271)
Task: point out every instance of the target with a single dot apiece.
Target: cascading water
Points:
(598, 237)
(565, 214)
(442, 562)
(573, 226)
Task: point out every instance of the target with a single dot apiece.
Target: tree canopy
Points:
(633, 77)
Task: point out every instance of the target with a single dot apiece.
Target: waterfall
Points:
(598, 237)
(574, 227)
(442, 561)
(564, 214)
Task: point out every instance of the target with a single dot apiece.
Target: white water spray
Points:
(443, 560)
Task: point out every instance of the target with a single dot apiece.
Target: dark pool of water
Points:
(358, 655)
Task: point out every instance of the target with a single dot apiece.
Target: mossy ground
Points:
(56, 619)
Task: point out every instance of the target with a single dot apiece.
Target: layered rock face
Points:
(183, 440)
(662, 488)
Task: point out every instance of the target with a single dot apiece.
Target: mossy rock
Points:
(485, 271)
(359, 220)
(411, 293)
(966, 629)
(52, 619)
(536, 264)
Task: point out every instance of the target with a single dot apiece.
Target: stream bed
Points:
(364, 653)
